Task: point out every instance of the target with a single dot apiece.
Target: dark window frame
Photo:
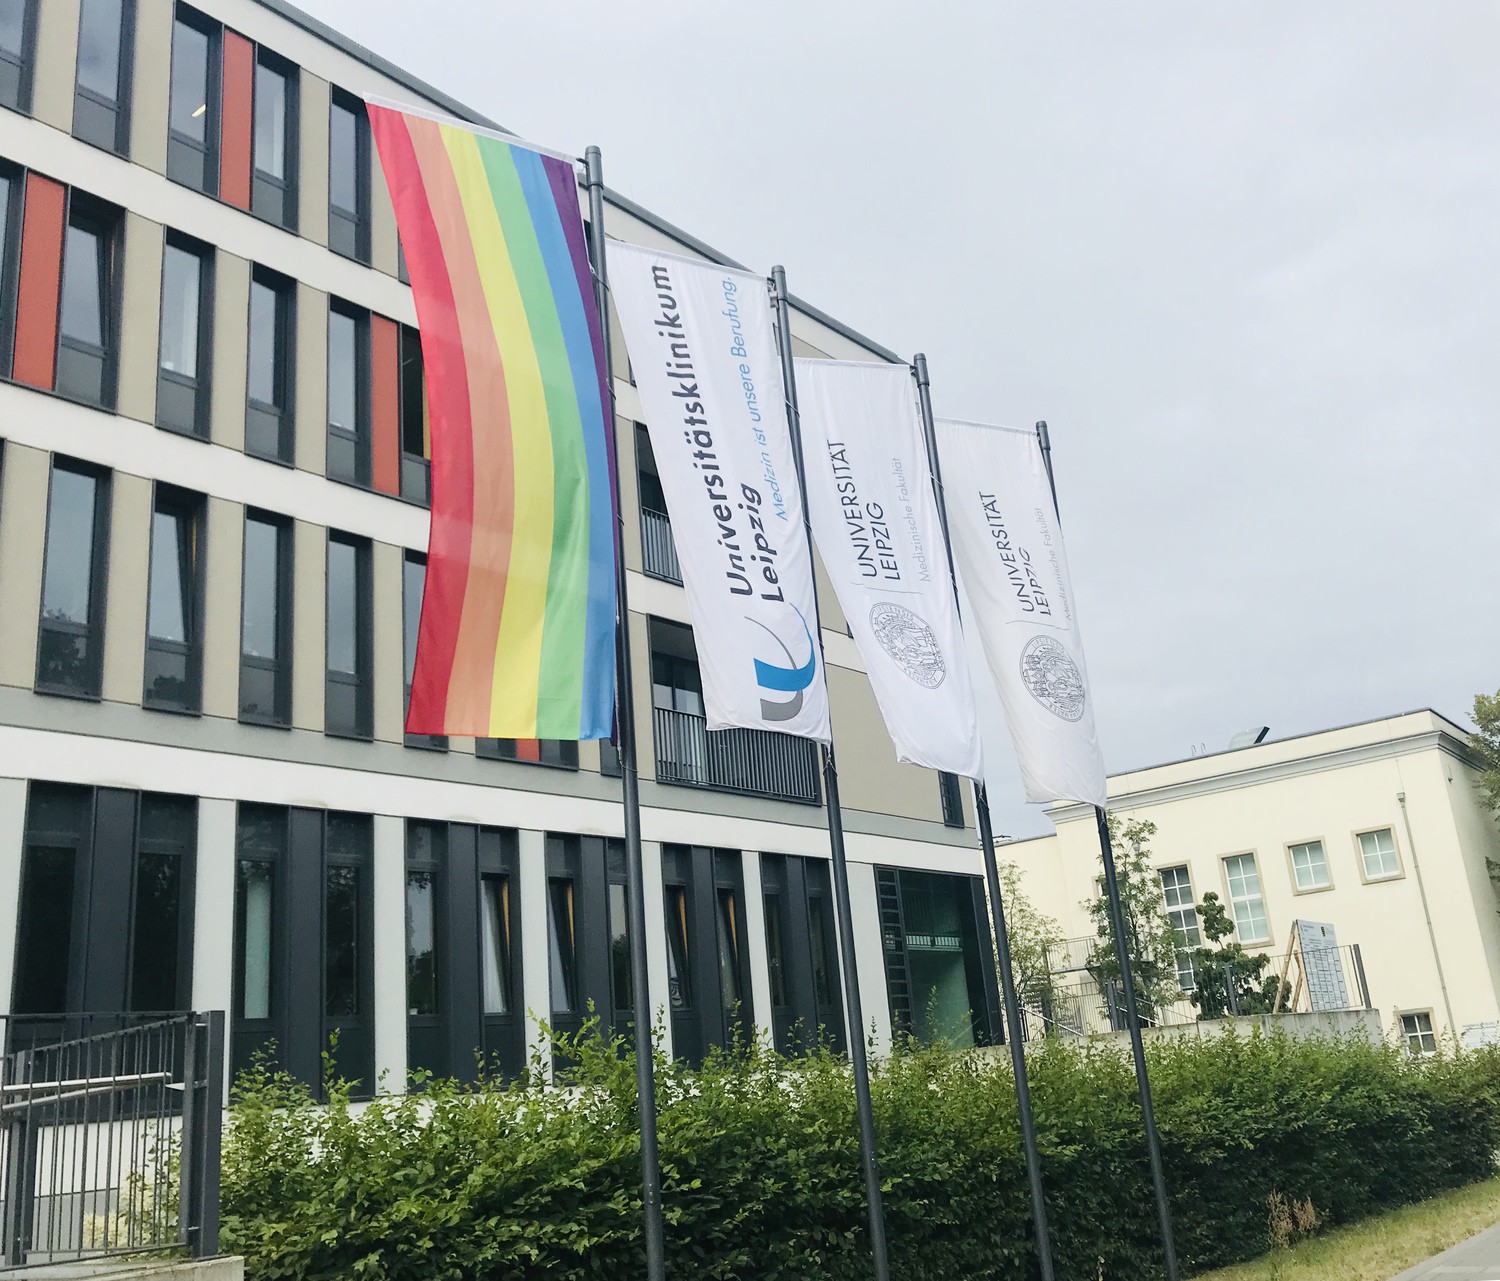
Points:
(172, 386)
(565, 752)
(184, 505)
(416, 468)
(950, 791)
(281, 665)
(97, 120)
(360, 681)
(362, 860)
(359, 437)
(429, 742)
(10, 260)
(23, 62)
(265, 188)
(207, 152)
(349, 229)
(186, 851)
(93, 630)
(103, 221)
(433, 866)
(259, 415)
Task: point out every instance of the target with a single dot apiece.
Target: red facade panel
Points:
(40, 279)
(238, 116)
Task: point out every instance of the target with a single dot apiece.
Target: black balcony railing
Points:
(658, 552)
(736, 760)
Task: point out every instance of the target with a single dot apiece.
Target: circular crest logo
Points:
(1053, 678)
(910, 642)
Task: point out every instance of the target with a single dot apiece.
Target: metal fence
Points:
(740, 760)
(658, 551)
(111, 1135)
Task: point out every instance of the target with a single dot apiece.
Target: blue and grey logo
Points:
(790, 679)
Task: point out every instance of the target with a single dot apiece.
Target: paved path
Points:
(1477, 1259)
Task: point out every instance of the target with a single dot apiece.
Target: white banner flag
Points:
(876, 523)
(704, 354)
(1009, 550)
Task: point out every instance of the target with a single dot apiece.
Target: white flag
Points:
(1009, 550)
(876, 523)
(704, 354)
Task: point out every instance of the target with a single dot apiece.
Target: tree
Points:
(1227, 979)
(1036, 940)
(1150, 941)
(1486, 741)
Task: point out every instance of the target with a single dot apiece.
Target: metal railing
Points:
(111, 1135)
(739, 760)
(658, 551)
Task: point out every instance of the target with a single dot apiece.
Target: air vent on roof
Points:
(1249, 737)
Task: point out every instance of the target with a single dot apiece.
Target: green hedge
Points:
(761, 1164)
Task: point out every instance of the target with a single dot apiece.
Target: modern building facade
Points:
(213, 512)
(1376, 829)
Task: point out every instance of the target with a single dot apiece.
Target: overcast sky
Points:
(1244, 259)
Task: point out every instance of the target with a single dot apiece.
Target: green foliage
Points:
(1150, 940)
(1228, 979)
(1036, 939)
(761, 1165)
(1486, 741)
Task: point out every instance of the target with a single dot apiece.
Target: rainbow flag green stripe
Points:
(517, 632)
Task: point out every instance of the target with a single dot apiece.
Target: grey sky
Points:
(1243, 259)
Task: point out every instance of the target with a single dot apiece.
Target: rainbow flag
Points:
(517, 631)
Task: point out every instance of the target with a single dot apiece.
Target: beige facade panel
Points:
(125, 588)
(309, 606)
(223, 554)
(311, 383)
(628, 466)
(56, 63)
(150, 91)
(24, 479)
(870, 778)
(141, 307)
(388, 666)
(313, 103)
(383, 252)
(231, 349)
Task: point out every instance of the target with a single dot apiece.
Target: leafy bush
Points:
(761, 1163)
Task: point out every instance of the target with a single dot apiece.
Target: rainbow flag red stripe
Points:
(517, 632)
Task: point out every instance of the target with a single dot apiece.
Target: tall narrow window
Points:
(416, 442)
(1246, 904)
(102, 91)
(86, 328)
(70, 643)
(10, 205)
(953, 800)
(182, 390)
(495, 950)
(266, 622)
(824, 966)
(16, 36)
(1182, 912)
(413, 579)
(174, 627)
(348, 395)
(679, 975)
(260, 845)
(620, 988)
(342, 934)
(268, 389)
(426, 845)
(727, 936)
(273, 194)
(347, 701)
(160, 933)
(562, 945)
(193, 107)
(348, 177)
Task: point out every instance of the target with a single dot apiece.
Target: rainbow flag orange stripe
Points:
(517, 631)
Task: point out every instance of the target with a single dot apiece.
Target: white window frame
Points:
(1407, 1037)
(1184, 953)
(1229, 899)
(1291, 863)
(1359, 853)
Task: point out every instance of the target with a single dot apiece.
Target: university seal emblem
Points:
(1053, 678)
(910, 642)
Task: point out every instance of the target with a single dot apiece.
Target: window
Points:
(953, 800)
(347, 700)
(413, 579)
(562, 945)
(1177, 892)
(174, 613)
(268, 391)
(495, 943)
(17, 21)
(622, 994)
(421, 941)
(679, 973)
(10, 232)
(1309, 867)
(1377, 850)
(727, 936)
(1417, 1032)
(1245, 902)
(255, 889)
(348, 177)
(70, 645)
(266, 622)
(347, 840)
(160, 958)
(348, 395)
(102, 92)
(539, 751)
(658, 551)
(86, 338)
(273, 193)
(416, 439)
(193, 107)
(182, 392)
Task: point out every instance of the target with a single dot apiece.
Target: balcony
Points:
(750, 761)
(658, 552)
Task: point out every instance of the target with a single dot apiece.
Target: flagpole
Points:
(992, 881)
(1127, 979)
(853, 1008)
(635, 881)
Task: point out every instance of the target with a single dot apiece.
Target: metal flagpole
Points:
(1127, 979)
(992, 881)
(852, 1007)
(635, 885)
